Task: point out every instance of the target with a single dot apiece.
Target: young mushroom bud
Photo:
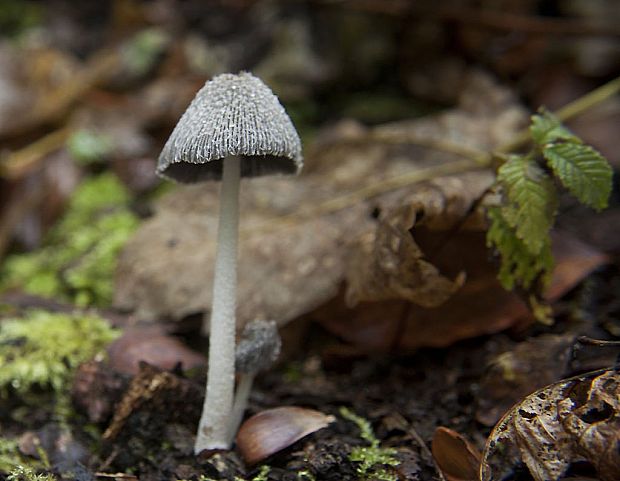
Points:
(257, 350)
(235, 127)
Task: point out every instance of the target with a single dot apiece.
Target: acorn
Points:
(273, 430)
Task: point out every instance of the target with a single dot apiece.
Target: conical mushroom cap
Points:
(232, 115)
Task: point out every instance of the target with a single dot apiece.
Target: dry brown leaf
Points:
(386, 263)
(150, 345)
(574, 420)
(480, 307)
(592, 418)
(456, 457)
(288, 268)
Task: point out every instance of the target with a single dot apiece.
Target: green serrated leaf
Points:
(518, 264)
(546, 128)
(531, 201)
(583, 171)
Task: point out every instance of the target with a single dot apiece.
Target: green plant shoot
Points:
(528, 185)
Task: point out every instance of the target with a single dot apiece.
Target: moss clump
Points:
(17, 16)
(10, 457)
(22, 473)
(89, 147)
(43, 349)
(372, 460)
(78, 260)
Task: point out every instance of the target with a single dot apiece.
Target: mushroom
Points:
(235, 127)
(257, 350)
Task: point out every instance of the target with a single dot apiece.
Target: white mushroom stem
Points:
(242, 395)
(214, 426)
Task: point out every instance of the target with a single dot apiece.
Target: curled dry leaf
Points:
(574, 420)
(480, 307)
(386, 263)
(456, 457)
(270, 431)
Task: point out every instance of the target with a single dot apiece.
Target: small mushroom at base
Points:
(257, 350)
(235, 127)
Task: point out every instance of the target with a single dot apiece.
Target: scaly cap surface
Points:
(232, 115)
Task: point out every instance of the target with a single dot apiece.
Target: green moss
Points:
(88, 146)
(371, 460)
(141, 52)
(43, 349)
(12, 461)
(305, 475)
(78, 260)
(22, 473)
(17, 16)
(263, 474)
(10, 457)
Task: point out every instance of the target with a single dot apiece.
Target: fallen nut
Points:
(270, 431)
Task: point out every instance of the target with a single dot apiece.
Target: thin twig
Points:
(483, 18)
(473, 160)
(116, 475)
(19, 163)
(347, 200)
(568, 112)
(414, 434)
(513, 22)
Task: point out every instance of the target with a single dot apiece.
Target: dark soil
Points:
(404, 397)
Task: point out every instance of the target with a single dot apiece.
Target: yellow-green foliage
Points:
(263, 474)
(10, 457)
(22, 473)
(17, 16)
(520, 225)
(43, 349)
(305, 475)
(79, 257)
(372, 460)
(89, 146)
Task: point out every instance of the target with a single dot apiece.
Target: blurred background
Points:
(379, 91)
(89, 92)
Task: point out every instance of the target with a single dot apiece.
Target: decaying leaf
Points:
(289, 266)
(456, 457)
(574, 420)
(150, 345)
(480, 307)
(153, 399)
(386, 263)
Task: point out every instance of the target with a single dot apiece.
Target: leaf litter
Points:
(290, 268)
(415, 251)
(573, 420)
